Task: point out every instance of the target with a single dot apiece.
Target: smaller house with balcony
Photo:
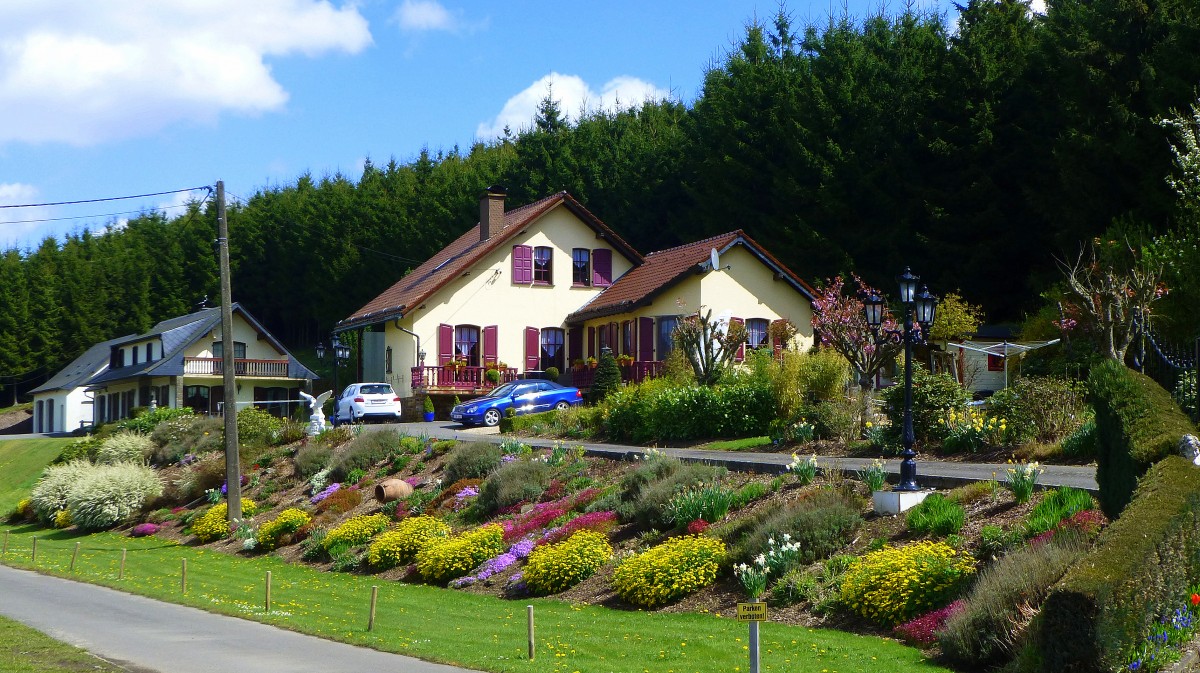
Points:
(178, 363)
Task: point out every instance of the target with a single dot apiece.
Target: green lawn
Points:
(745, 444)
(26, 650)
(21, 463)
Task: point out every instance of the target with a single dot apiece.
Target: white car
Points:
(367, 401)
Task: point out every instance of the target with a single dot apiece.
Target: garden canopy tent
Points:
(1004, 349)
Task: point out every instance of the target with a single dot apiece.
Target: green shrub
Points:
(820, 524)
(179, 436)
(312, 458)
(648, 503)
(402, 544)
(554, 568)
(213, 524)
(456, 556)
(822, 374)
(749, 493)
(993, 542)
(256, 425)
(660, 410)
(577, 422)
(363, 452)
(355, 532)
(124, 447)
(819, 586)
(1055, 506)
(107, 495)
(272, 533)
(932, 396)
(553, 373)
(201, 476)
(412, 446)
(292, 431)
(511, 483)
(991, 626)
(936, 515)
(1137, 424)
(896, 584)
(834, 419)
(608, 377)
(1082, 443)
(1041, 408)
(669, 571)
(50, 493)
(471, 461)
(146, 423)
(80, 449)
(1107, 603)
(710, 502)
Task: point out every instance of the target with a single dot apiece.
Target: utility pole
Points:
(233, 477)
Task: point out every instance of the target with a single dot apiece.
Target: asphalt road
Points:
(930, 473)
(147, 636)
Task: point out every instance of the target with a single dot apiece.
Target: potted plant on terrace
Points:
(428, 409)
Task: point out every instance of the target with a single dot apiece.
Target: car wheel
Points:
(562, 404)
(491, 418)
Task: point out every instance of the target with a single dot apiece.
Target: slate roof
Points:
(177, 334)
(663, 269)
(418, 285)
(81, 368)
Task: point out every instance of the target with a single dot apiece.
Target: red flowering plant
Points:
(838, 320)
(922, 631)
(697, 527)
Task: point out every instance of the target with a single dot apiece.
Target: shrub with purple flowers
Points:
(494, 566)
(328, 491)
(144, 529)
(922, 631)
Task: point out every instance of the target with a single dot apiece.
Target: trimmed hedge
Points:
(1108, 602)
(1137, 425)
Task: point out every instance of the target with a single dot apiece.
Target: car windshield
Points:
(375, 389)
(503, 391)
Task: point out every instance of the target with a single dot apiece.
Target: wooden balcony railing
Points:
(453, 379)
(241, 367)
(634, 372)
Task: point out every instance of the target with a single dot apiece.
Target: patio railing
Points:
(634, 372)
(241, 367)
(456, 379)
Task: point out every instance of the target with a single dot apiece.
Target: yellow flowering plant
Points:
(355, 532)
(896, 584)
(459, 555)
(972, 430)
(271, 533)
(557, 567)
(669, 571)
(402, 544)
(212, 526)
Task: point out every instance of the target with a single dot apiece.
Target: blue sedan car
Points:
(525, 397)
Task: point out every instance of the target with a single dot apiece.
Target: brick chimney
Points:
(491, 211)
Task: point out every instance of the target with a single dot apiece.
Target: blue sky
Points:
(122, 97)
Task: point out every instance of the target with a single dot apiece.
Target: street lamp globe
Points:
(873, 306)
(908, 285)
(925, 305)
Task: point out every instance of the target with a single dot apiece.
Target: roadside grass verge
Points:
(27, 650)
(744, 444)
(448, 626)
(21, 463)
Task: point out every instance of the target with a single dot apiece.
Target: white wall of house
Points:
(71, 409)
(488, 296)
(243, 332)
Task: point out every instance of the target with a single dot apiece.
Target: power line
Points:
(84, 217)
(109, 198)
(388, 254)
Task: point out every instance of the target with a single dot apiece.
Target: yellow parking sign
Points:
(752, 612)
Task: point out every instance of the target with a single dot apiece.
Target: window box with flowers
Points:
(624, 360)
(591, 363)
(578, 364)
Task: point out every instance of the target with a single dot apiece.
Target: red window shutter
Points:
(602, 267)
(522, 264)
(614, 337)
(445, 343)
(575, 344)
(490, 345)
(533, 348)
(592, 342)
(777, 345)
(740, 356)
(645, 339)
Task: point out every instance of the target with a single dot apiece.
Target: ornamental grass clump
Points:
(710, 502)
(402, 544)
(212, 525)
(49, 494)
(669, 571)
(125, 447)
(457, 556)
(936, 515)
(895, 584)
(271, 534)
(355, 532)
(1056, 505)
(557, 567)
(820, 525)
(511, 483)
(471, 461)
(107, 495)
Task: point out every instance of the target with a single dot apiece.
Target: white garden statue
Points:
(316, 421)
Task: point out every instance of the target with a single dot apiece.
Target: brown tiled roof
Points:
(665, 268)
(416, 286)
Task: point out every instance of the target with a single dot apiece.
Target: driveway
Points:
(148, 636)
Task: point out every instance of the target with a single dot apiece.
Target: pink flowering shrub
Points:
(600, 522)
(922, 631)
(144, 529)
(1088, 521)
(534, 520)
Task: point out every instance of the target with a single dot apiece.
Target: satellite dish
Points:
(714, 259)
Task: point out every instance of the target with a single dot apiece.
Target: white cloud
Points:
(85, 72)
(573, 95)
(420, 15)
(14, 222)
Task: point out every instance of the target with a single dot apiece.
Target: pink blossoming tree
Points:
(838, 321)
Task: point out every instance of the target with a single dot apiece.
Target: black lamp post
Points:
(921, 307)
(341, 353)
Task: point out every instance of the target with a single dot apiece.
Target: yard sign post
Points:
(753, 613)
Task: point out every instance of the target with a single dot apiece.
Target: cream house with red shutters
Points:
(549, 284)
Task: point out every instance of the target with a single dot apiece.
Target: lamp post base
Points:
(895, 502)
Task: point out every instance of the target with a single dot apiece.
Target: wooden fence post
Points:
(529, 616)
(267, 603)
(183, 576)
(374, 598)
(121, 573)
(75, 556)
